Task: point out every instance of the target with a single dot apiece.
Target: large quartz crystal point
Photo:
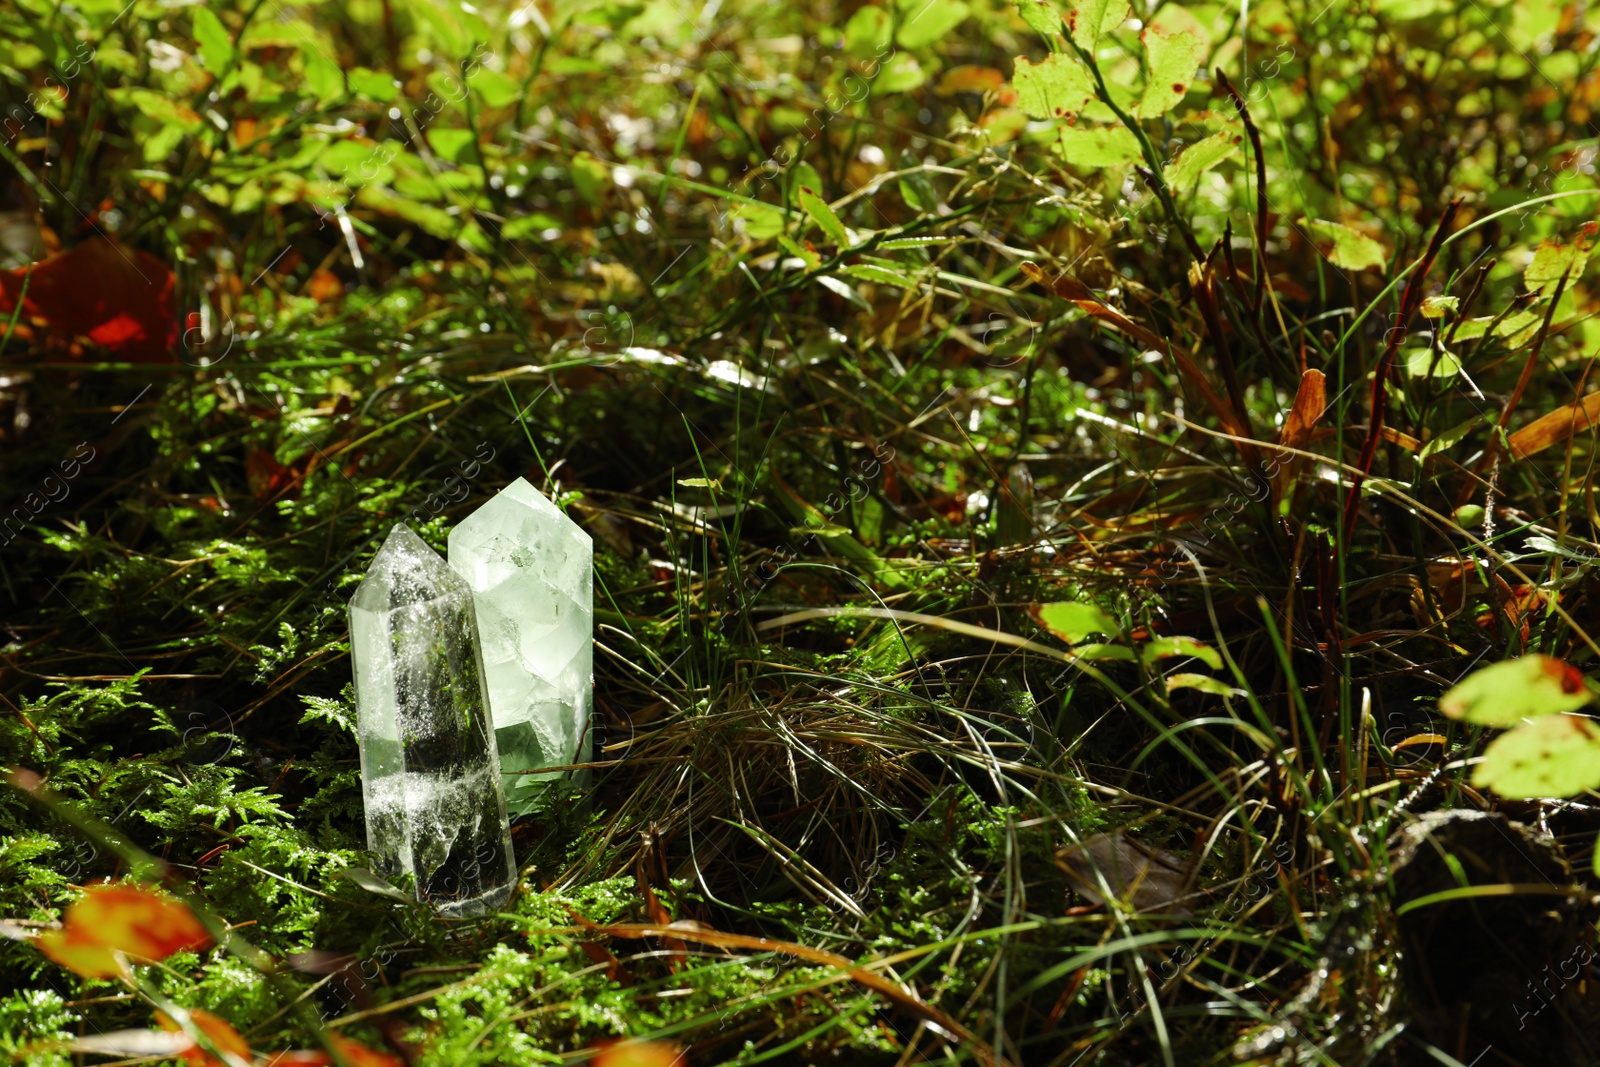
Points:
(532, 569)
(430, 773)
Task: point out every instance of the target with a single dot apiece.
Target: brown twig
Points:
(1261, 187)
(860, 974)
(1202, 283)
(1491, 451)
(1409, 302)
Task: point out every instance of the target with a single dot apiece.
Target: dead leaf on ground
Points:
(1555, 427)
(132, 920)
(119, 298)
(1149, 879)
(218, 1031)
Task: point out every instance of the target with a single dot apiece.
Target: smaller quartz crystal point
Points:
(430, 774)
(532, 570)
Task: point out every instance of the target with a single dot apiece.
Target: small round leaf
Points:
(1503, 694)
(1556, 756)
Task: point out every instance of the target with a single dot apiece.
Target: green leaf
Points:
(374, 883)
(355, 162)
(457, 146)
(802, 174)
(800, 252)
(1105, 146)
(868, 272)
(1163, 647)
(1352, 250)
(591, 177)
(216, 43)
(1098, 651)
(1055, 88)
(900, 75)
(1450, 438)
(526, 226)
(496, 89)
(1557, 756)
(161, 108)
(323, 77)
(374, 85)
(1552, 260)
(899, 244)
(1420, 362)
(1171, 62)
(824, 217)
(1519, 327)
(1203, 682)
(1042, 16)
(927, 22)
(826, 529)
(760, 221)
(1436, 307)
(842, 288)
(867, 32)
(1198, 158)
(1091, 20)
(1503, 694)
(1074, 620)
(431, 220)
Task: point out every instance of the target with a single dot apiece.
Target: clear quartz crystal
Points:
(532, 569)
(430, 773)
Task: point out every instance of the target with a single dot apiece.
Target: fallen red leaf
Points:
(268, 478)
(217, 1030)
(121, 299)
(131, 919)
(80, 953)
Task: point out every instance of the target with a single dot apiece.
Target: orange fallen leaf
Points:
(119, 298)
(639, 1054)
(1555, 427)
(218, 1031)
(79, 953)
(353, 1052)
(131, 919)
(324, 286)
(970, 79)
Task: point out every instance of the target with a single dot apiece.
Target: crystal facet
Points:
(430, 774)
(532, 569)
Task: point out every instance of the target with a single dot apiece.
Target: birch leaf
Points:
(1351, 249)
(1172, 59)
(1057, 87)
(1198, 158)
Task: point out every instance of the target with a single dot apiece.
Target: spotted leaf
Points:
(1503, 694)
(1556, 756)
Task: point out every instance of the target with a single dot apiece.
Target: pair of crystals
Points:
(471, 677)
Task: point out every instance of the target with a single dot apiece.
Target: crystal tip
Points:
(406, 570)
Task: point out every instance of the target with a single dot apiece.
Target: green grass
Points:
(772, 343)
